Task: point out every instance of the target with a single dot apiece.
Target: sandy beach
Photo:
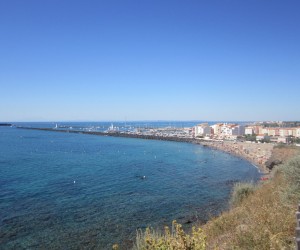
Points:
(256, 153)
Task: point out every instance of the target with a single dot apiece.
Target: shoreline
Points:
(256, 153)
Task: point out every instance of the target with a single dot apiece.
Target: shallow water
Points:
(74, 191)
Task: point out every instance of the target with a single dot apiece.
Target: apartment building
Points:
(202, 130)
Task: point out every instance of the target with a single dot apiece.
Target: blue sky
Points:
(149, 60)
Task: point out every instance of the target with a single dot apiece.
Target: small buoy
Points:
(74, 182)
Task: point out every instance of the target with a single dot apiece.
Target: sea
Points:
(80, 191)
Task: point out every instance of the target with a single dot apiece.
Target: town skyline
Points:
(134, 61)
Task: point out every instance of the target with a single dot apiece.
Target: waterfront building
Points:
(263, 131)
(256, 129)
(216, 128)
(249, 131)
(293, 131)
(277, 131)
(232, 129)
(238, 130)
(273, 131)
(226, 129)
(287, 132)
(202, 130)
(298, 132)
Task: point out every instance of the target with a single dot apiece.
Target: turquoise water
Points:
(74, 191)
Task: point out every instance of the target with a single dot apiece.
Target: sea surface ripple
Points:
(74, 191)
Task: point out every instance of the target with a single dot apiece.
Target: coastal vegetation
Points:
(294, 140)
(174, 238)
(240, 192)
(261, 217)
(250, 137)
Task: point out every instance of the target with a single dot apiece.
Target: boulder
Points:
(270, 164)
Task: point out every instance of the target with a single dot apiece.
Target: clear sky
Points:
(63, 60)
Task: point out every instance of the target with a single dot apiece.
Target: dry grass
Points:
(240, 192)
(264, 220)
(291, 172)
(284, 152)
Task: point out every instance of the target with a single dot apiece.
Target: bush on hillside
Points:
(291, 171)
(240, 192)
(175, 238)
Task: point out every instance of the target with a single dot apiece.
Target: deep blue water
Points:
(74, 191)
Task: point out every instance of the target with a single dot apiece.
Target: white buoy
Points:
(74, 182)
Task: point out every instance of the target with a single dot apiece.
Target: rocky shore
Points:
(257, 153)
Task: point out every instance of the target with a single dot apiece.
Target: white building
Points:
(249, 131)
(226, 129)
(217, 128)
(285, 132)
(202, 130)
(263, 131)
(298, 132)
(232, 129)
(238, 130)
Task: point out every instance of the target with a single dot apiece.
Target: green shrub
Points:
(175, 238)
(240, 192)
(291, 171)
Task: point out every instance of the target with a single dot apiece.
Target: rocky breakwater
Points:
(256, 153)
(5, 124)
(116, 134)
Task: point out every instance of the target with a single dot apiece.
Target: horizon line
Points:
(56, 121)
